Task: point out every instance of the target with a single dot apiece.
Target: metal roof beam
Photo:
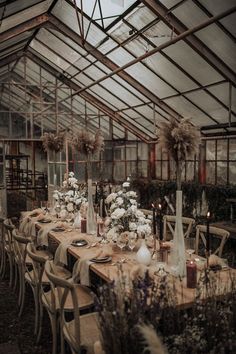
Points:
(11, 57)
(23, 27)
(56, 24)
(90, 98)
(173, 22)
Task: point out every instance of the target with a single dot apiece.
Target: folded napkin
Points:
(42, 237)
(105, 251)
(213, 261)
(80, 273)
(35, 211)
(23, 228)
(60, 257)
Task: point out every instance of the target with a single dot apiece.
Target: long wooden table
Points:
(109, 271)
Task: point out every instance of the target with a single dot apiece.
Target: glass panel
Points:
(25, 15)
(142, 169)
(142, 151)
(119, 171)
(232, 173)
(131, 152)
(158, 169)
(131, 168)
(190, 173)
(119, 153)
(210, 172)
(222, 149)
(210, 150)
(165, 170)
(221, 172)
(232, 149)
(107, 171)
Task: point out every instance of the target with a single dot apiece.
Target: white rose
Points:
(110, 198)
(119, 193)
(132, 226)
(67, 198)
(55, 196)
(70, 207)
(125, 184)
(119, 201)
(71, 174)
(133, 201)
(133, 209)
(64, 183)
(118, 213)
(131, 194)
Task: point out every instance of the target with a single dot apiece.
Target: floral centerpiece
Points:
(125, 217)
(70, 198)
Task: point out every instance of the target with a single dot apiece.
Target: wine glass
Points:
(121, 241)
(189, 246)
(132, 240)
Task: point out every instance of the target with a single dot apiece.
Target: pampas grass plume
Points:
(152, 341)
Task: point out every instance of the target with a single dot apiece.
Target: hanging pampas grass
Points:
(53, 142)
(181, 140)
(88, 143)
(153, 344)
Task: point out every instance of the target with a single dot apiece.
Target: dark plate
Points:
(58, 229)
(79, 243)
(45, 221)
(101, 259)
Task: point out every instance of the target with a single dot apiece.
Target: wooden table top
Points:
(109, 271)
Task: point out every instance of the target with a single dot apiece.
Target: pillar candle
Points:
(83, 226)
(191, 275)
(154, 220)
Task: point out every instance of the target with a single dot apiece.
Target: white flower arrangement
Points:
(71, 196)
(125, 215)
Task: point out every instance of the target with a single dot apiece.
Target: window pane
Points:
(119, 171)
(210, 150)
(232, 173)
(222, 149)
(232, 149)
(210, 172)
(221, 173)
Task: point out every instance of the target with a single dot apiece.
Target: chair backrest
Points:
(64, 288)
(169, 225)
(19, 247)
(217, 232)
(8, 228)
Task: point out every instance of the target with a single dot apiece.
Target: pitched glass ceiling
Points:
(97, 47)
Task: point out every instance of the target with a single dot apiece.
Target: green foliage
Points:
(154, 191)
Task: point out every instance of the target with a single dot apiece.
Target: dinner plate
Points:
(58, 229)
(101, 259)
(79, 243)
(45, 221)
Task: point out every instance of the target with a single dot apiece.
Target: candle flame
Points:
(159, 205)
(208, 214)
(153, 205)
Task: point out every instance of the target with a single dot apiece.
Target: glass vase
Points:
(91, 217)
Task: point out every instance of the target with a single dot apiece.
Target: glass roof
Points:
(123, 59)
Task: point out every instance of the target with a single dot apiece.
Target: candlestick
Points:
(160, 223)
(154, 230)
(208, 241)
(191, 275)
(110, 190)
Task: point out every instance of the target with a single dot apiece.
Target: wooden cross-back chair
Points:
(169, 226)
(9, 248)
(82, 331)
(215, 232)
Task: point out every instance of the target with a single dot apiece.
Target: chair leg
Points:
(22, 299)
(53, 320)
(11, 271)
(15, 277)
(36, 304)
(62, 339)
(3, 265)
(40, 321)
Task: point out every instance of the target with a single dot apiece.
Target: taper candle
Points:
(208, 241)
(160, 222)
(154, 230)
(96, 195)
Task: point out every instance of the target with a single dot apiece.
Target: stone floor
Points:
(16, 334)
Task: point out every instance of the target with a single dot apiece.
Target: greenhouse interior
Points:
(117, 176)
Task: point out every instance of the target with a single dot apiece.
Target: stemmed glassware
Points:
(189, 246)
(132, 240)
(121, 241)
